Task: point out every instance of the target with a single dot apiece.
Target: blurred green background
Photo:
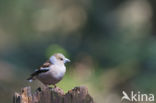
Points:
(111, 43)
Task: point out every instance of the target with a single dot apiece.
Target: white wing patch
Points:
(47, 68)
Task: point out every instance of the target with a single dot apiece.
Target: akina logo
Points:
(140, 97)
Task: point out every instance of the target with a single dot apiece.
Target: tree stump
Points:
(53, 95)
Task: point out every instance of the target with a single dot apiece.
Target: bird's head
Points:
(58, 58)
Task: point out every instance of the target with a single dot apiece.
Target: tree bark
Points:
(53, 95)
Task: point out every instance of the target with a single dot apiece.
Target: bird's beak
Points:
(66, 60)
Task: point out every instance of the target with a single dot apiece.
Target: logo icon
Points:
(125, 96)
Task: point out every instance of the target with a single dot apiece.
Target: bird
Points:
(52, 71)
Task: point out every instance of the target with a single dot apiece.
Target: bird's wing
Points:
(46, 64)
(44, 68)
(38, 71)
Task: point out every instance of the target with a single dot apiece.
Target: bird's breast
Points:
(57, 71)
(53, 76)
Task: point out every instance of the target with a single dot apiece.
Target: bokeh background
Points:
(111, 43)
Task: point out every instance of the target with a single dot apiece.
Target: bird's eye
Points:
(61, 58)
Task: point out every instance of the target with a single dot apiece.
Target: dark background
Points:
(111, 44)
